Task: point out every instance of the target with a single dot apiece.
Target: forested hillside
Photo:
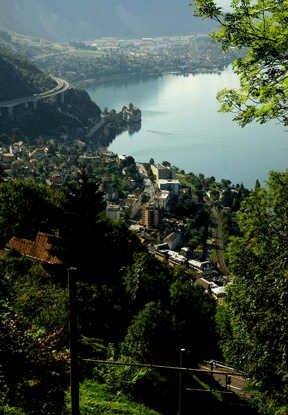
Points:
(130, 305)
(20, 77)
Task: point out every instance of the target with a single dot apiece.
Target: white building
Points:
(163, 172)
(173, 240)
(169, 184)
(203, 268)
(164, 199)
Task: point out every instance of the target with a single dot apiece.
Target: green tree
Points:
(118, 378)
(257, 301)
(193, 311)
(260, 27)
(147, 279)
(148, 335)
(33, 374)
(33, 369)
(81, 228)
(26, 208)
(257, 184)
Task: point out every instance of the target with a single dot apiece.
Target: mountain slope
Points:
(75, 20)
(19, 77)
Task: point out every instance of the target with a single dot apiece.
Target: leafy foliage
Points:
(137, 302)
(193, 311)
(80, 207)
(148, 334)
(21, 77)
(147, 279)
(260, 27)
(25, 208)
(32, 321)
(257, 299)
(33, 372)
(118, 378)
(98, 398)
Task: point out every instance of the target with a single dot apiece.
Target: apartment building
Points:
(169, 184)
(150, 217)
(113, 211)
(163, 172)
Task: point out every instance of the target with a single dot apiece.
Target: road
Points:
(149, 190)
(149, 186)
(237, 384)
(61, 87)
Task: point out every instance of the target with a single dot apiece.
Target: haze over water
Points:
(181, 124)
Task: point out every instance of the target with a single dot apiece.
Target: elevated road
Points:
(61, 87)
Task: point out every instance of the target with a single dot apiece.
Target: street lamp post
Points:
(180, 381)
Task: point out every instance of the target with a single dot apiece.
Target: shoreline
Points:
(90, 82)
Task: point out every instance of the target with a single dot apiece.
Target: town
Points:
(173, 213)
(109, 58)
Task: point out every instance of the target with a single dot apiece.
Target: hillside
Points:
(66, 21)
(19, 78)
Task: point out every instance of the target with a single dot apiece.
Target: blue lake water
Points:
(181, 124)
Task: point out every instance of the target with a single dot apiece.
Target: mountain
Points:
(87, 20)
(19, 77)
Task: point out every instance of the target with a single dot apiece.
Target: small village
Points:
(147, 196)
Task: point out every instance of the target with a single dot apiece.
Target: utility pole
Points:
(180, 382)
(74, 382)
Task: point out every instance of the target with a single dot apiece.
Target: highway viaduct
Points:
(61, 87)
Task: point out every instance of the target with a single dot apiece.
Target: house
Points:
(173, 240)
(81, 145)
(38, 153)
(203, 269)
(56, 178)
(164, 199)
(111, 194)
(39, 249)
(14, 150)
(64, 168)
(125, 160)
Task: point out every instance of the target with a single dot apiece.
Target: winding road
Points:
(62, 86)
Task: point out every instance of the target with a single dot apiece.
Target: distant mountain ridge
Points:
(83, 20)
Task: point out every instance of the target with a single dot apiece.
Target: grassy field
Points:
(87, 54)
(183, 180)
(97, 399)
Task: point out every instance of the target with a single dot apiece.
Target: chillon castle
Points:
(131, 114)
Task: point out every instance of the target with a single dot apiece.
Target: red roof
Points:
(38, 249)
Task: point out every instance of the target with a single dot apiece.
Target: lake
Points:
(181, 124)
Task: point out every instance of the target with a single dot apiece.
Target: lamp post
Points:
(180, 380)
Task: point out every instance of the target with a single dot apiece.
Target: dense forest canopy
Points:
(125, 296)
(21, 77)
